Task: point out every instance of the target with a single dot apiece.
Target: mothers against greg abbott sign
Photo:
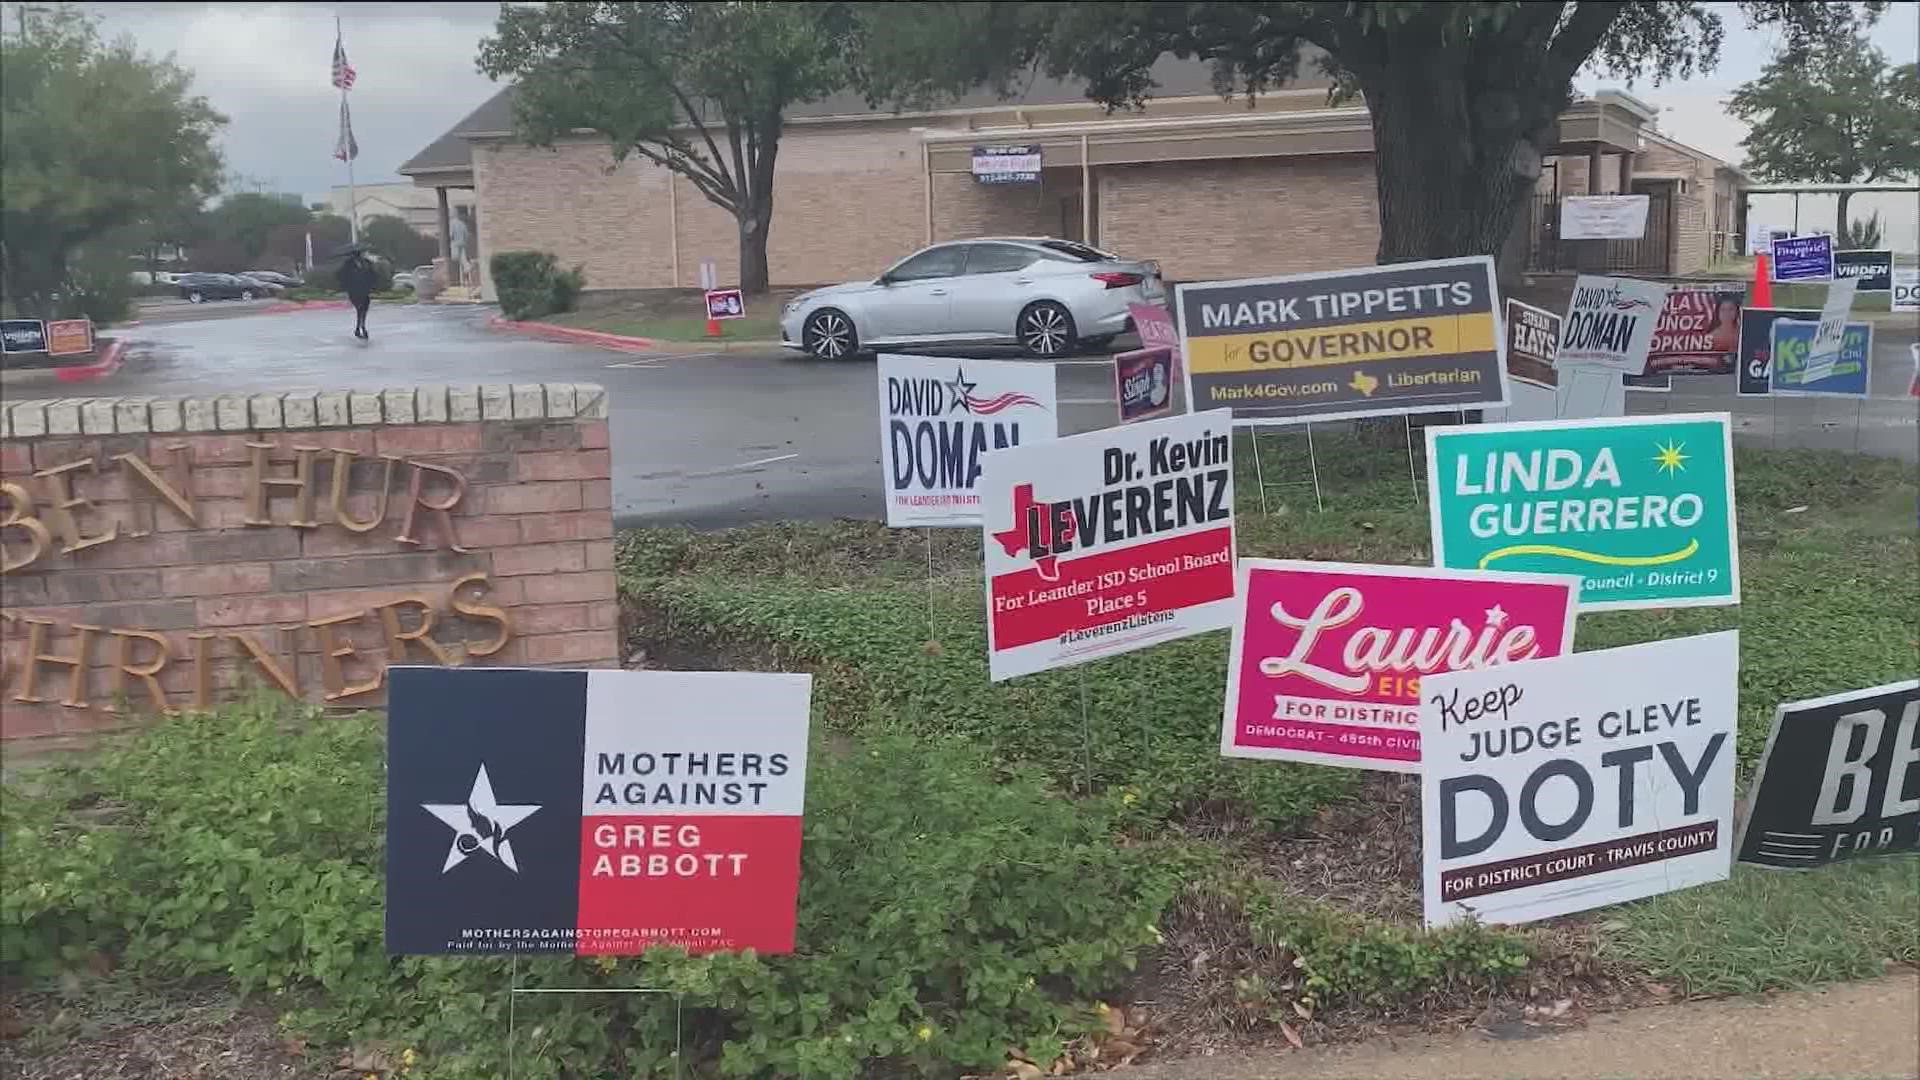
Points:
(593, 812)
(1327, 658)
(1107, 542)
(1641, 507)
(1569, 783)
(939, 417)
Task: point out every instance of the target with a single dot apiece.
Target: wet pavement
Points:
(716, 439)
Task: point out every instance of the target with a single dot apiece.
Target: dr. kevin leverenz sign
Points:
(1840, 779)
(1563, 784)
(593, 812)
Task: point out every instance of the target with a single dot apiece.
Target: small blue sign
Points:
(1792, 340)
(1802, 258)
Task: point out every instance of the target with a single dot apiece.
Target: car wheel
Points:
(196, 297)
(1045, 329)
(829, 335)
(246, 294)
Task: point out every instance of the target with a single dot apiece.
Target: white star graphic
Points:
(958, 387)
(1496, 616)
(480, 825)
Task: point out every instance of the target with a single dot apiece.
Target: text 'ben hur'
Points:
(50, 516)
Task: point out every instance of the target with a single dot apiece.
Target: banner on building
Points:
(1872, 269)
(1565, 784)
(1007, 164)
(940, 417)
(1106, 542)
(22, 336)
(593, 812)
(1906, 289)
(1603, 217)
(1327, 658)
(1802, 258)
(1759, 234)
(1849, 375)
(1641, 507)
(1839, 779)
(1610, 323)
(1699, 330)
(1378, 341)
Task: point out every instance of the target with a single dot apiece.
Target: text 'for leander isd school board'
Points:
(1411, 337)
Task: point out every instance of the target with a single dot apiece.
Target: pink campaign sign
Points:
(1327, 657)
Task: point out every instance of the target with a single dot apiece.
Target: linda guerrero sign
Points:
(1566, 784)
(1327, 658)
(593, 812)
(1379, 341)
(1107, 542)
(1641, 507)
(940, 417)
(1839, 779)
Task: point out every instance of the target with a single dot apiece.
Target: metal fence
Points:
(1651, 255)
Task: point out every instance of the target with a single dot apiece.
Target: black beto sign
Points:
(1873, 269)
(1840, 778)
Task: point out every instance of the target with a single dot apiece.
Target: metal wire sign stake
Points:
(514, 990)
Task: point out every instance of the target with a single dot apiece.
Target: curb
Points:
(99, 369)
(556, 332)
(280, 306)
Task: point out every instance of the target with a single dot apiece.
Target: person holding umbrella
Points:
(357, 278)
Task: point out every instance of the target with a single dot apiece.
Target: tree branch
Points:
(714, 195)
(1577, 40)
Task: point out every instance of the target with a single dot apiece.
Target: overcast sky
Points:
(266, 66)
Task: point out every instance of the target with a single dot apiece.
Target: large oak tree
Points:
(698, 88)
(1464, 97)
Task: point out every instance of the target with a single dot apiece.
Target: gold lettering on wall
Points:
(342, 470)
(124, 666)
(181, 498)
(332, 651)
(417, 501)
(20, 515)
(60, 510)
(300, 483)
(485, 612)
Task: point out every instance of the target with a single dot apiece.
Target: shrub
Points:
(947, 909)
(531, 284)
(98, 287)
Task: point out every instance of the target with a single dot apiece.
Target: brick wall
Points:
(1692, 242)
(142, 539)
(572, 201)
(1242, 217)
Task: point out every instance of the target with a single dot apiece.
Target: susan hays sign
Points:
(1565, 784)
(938, 420)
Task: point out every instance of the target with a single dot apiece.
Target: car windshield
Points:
(1078, 251)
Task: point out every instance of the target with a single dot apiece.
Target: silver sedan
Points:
(1048, 296)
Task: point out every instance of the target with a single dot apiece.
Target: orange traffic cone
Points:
(1761, 295)
(713, 327)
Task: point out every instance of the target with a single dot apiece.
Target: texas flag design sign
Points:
(593, 812)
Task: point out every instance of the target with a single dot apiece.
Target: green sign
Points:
(1640, 507)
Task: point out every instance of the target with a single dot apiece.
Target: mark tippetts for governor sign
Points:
(593, 812)
(940, 417)
(1840, 778)
(1640, 507)
(1410, 337)
(1564, 784)
(1108, 542)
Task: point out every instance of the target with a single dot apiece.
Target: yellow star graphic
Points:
(1671, 457)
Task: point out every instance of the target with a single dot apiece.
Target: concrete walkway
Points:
(1866, 1029)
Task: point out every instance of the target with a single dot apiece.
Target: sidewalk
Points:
(1865, 1029)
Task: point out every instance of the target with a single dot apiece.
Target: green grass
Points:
(675, 315)
(1828, 549)
(1800, 294)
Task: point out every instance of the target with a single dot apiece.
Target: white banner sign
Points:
(1610, 323)
(1906, 288)
(1107, 542)
(938, 418)
(1603, 217)
(1564, 784)
(1824, 353)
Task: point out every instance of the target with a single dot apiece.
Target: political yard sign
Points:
(1327, 658)
(1640, 507)
(1610, 323)
(1802, 258)
(1699, 330)
(593, 812)
(1755, 370)
(1792, 371)
(1564, 784)
(1873, 269)
(1107, 542)
(1840, 778)
(1379, 341)
(939, 418)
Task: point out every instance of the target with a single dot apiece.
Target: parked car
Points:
(270, 288)
(1046, 295)
(275, 277)
(403, 280)
(201, 287)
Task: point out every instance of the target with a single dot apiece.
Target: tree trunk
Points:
(1840, 221)
(753, 258)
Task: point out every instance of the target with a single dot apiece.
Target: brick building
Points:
(1208, 187)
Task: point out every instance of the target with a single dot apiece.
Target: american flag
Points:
(342, 71)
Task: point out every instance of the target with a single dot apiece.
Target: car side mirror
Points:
(885, 279)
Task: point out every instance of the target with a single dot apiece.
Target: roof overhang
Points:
(1190, 138)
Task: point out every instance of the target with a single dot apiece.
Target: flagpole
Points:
(353, 199)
